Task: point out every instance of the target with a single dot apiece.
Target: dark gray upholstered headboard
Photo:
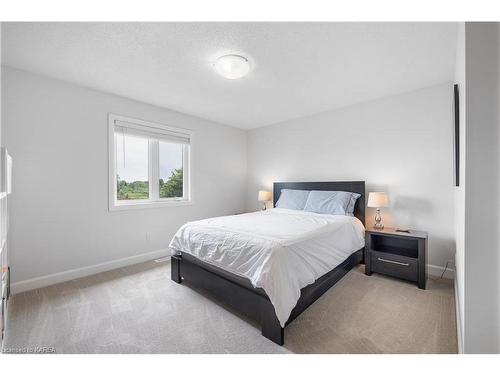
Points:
(350, 186)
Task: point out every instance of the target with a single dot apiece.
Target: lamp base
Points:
(378, 221)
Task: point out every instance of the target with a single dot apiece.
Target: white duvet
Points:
(278, 250)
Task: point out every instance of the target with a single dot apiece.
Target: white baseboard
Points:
(437, 271)
(458, 319)
(56, 278)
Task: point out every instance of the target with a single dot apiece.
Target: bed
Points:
(271, 265)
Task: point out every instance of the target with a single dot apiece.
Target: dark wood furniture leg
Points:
(175, 271)
(270, 325)
(422, 262)
(366, 254)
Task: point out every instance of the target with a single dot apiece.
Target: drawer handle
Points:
(393, 261)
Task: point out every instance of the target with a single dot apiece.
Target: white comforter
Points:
(278, 250)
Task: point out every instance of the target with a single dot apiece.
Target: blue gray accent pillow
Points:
(292, 199)
(331, 202)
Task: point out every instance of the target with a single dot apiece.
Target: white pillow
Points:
(331, 202)
(292, 199)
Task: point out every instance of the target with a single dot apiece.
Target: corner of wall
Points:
(459, 199)
(481, 326)
(0, 83)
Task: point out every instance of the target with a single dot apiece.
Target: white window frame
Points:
(152, 129)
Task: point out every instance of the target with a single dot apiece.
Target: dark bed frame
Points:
(239, 293)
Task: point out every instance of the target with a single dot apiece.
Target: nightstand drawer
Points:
(394, 265)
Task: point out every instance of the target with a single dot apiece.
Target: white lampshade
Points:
(377, 199)
(265, 196)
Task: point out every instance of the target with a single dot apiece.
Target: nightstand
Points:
(397, 254)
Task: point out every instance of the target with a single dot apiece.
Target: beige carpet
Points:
(138, 309)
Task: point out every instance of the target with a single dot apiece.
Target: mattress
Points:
(278, 250)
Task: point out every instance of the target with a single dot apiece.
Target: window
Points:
(148, 164)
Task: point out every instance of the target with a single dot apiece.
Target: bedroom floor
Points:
(138, 309)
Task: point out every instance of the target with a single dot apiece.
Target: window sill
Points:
(144, 205)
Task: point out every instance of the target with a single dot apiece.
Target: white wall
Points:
(401, 144)
(482, 224)
(460, 190)
(57, 135)
(1, 85)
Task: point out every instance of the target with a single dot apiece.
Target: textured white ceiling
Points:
(298, 69)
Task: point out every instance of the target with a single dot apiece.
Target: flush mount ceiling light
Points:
(232, 66)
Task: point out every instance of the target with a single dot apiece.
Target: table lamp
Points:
(378, 200)
(265, 196)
